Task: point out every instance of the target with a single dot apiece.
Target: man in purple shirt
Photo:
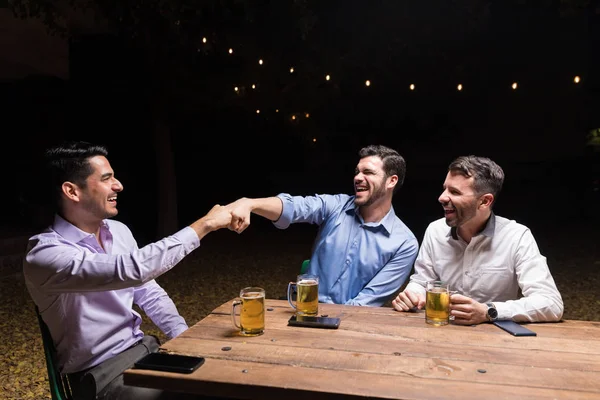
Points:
(86, 271)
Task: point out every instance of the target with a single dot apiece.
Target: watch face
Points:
(492, 312)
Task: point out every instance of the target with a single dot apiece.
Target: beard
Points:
(462, 215)
(378, 193)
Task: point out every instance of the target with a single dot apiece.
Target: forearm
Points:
(204, 226)
(267, 207)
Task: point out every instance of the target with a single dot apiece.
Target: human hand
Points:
(240, 214)
(467, 311)
(407, 301)
(218, 217)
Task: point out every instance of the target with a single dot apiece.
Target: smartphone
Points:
(170, 362)
(314, 322)
(513, 328)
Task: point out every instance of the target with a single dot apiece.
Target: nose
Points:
(444, 199)
(117, 186)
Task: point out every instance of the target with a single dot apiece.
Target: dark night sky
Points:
(537, 133)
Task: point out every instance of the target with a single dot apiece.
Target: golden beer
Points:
(252, 315)
(307, 302)
(437, 311)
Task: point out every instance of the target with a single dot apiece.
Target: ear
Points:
(392, 181)
(71, 191)
(486, 200)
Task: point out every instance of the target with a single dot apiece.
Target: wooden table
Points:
(381, 353)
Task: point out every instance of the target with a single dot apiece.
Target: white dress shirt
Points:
(502, 264)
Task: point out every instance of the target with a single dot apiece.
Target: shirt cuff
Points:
(416, 288)
(503, 309)
(189, 238)
(287, 213)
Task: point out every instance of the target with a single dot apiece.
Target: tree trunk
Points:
(167, 222)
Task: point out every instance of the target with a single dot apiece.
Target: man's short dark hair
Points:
(393, 162)
(488, 177)
(69, 162)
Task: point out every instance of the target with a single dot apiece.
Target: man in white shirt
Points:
(485, 258)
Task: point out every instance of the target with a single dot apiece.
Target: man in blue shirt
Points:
(363, 252)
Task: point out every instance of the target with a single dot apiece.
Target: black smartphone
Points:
(170, 362)
(513, 328)
(314, 322)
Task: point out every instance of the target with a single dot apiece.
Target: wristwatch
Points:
(492, 313)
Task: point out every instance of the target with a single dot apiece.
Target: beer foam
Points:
(307, 282)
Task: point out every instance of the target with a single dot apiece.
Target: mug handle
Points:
(289, 294)
(233, 306)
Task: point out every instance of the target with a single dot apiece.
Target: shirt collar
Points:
(488, 230)
(70, 232)
(386, 222)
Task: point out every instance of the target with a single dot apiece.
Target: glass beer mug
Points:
(252, 314)
(307, 298)
(437, 303)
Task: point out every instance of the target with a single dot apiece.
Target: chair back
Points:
(304, 267)
(59, 389)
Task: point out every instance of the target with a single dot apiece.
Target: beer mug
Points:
(252, 315)
(307, 299)
(437, 304)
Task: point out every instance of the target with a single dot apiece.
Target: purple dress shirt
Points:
(85, 293)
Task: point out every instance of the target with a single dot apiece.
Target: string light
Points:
(291, 70)
(230, 51)
(577, 79)
(253, 86)
(514, 85)
(203, 40)
(327, 77)
(368, 83)
(236, 89)
(307, 115)
(314, 140)
(258, 111)
(293, 117)
(459, 87)
(277, 110)
(260, 62)
(412, 86)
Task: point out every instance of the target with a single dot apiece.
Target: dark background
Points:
(223, 149)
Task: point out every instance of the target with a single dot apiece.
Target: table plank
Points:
(278, 354)
(226, 378)
(386, 344)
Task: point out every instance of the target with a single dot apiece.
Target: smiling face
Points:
(370, 181)
(459, 200)
(98, 199)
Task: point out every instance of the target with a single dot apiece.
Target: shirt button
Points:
(347, 262)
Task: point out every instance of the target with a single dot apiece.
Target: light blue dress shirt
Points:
(85, 293)
(357, 263)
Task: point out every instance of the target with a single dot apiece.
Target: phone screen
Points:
(170, 362)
